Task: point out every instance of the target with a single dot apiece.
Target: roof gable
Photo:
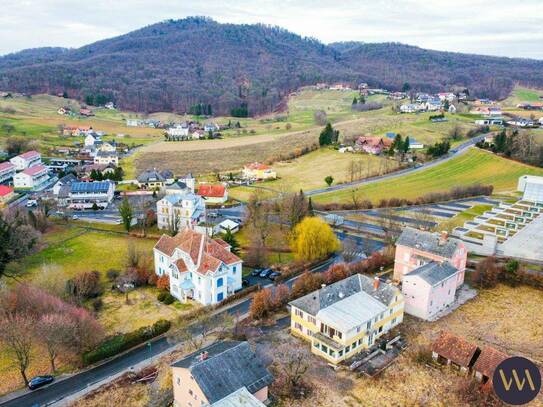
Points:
(427, 242)
(434, 273)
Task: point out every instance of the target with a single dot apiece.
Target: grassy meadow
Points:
(474, 166)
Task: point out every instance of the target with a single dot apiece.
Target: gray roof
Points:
(327, 296)
(427, 241)
(150, 175)
(178, 185)
(434, 273)
(106, 153)
(67, 179)
(230, 365)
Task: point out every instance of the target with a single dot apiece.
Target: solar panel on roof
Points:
(91, 187)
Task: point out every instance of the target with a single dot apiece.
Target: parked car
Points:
(31, 203)
(256, 272)
(212, 214)
(245, 282)
(75, 217)
(265, 273)
(40, 381)
(274, 275)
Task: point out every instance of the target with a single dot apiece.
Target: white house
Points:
(133, 122)
(26, 160)
(225, 225)
(183, 210)
(83, 195)
(31, 178)
(91, 139)
(106, 158)
(7, 171)
(414, 144)
(199, 267)
(183, 185)
(429, 289)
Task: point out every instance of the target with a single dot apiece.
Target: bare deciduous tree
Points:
(17, 334)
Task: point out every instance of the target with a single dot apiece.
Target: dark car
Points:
(39, 381)
(245, 282)
(265, 273)
(256, 272)
(274, 275)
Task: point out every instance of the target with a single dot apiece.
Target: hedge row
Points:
(121, 342)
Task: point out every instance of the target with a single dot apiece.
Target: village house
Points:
(213, 194)
(199, 267)
(91, 140)
(414, 144)
(6, 194)
(178, 188)
(179, 132)
(154, 179)
(429, 289)
(211, 127)
(179, 211)
(86, 112)
(372, 145)
(414, 248)
(455, 351)
(31, 178)
(226, 225)
(133, 122)
(106, 158)
(258, 171)
(344, 318)
(64, 181)
(85, 195)
(26, 160)
(7, 171)
(224, 374)
(76, 131)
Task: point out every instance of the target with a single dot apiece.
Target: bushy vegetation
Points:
(119, 343)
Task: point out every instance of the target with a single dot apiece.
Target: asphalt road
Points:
(63, 388)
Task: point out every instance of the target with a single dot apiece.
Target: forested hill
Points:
(173, 65)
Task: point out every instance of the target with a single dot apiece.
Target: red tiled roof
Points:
(29, 155)
(455, 348)
(181, 265)
(488, 361)
(205, 252)
(211, 191)
(4, 190)
(374, 141)
(257, 166)
(6, 165)
(34, 170)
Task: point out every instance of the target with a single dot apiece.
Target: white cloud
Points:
(500, 27)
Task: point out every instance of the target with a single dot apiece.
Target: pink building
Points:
(416, 248)
(429, 289)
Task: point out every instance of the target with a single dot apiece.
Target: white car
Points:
(31, 203)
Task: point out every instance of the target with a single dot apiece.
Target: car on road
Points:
(454, 151)
(40, 381)
(212, 214)
(245, 282)
(274, 275)
(265, 273)
(31, 203)
(255, 272)
(75, 217)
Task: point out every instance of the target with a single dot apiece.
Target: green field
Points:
(521, 94)
(474, 166)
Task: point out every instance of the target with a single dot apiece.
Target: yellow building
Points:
(344, 318)
(258, 171)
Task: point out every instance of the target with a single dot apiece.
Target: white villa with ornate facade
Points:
(185, 209)
(199, 267)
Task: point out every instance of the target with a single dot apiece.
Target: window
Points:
(220, 282)
(316, 345)
(179, 381)
(234, 269)
(380, 329)
(190, 392)
(331, 353)
(324, 348)
(311, 319)
(340, 353)
(298, 326)
(393, 320)
(347, 349)
(298, 313)
(368, 325)
(391, 311)
(220, 296)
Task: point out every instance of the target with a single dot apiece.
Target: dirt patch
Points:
(208, 156)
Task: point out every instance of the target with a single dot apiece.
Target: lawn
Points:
(522, 95)
(85, 251)
(474, 166)
(308, 171)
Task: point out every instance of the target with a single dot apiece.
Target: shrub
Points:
(121, 342)
(163, 282)
(168, 299)
(84, 286)
(112, 275)
(161, 296)
(97, 304)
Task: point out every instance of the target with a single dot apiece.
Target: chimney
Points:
(376, 283)
(443, 237)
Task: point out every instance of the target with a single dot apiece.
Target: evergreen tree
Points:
(310, 210)
(325, 138)
(397, 143)
(406, 86)
(229, 238)
(355, 101)
(127, 214)
(405, 146)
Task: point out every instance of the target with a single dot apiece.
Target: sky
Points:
(490, 27)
